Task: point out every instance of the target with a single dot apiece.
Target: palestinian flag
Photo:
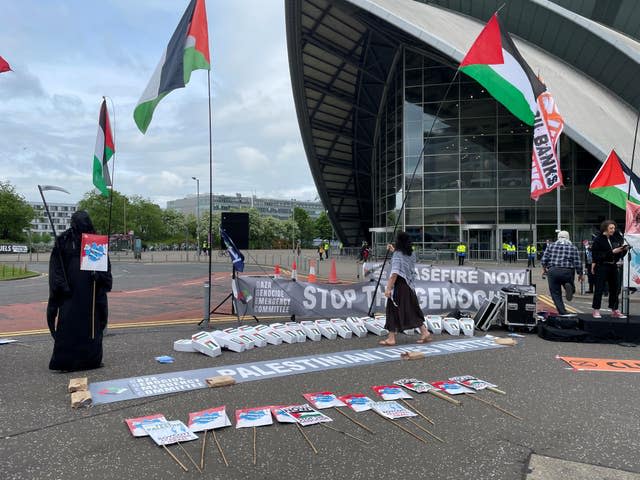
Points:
(105, 149)
(4, 65)
(495, 63)
(188, 50)
(612, 182)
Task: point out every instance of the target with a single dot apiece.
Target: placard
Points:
(472, 382)
(390, 392)
(253, 417)
(167, 433)
(415, 385)
(136, 424)
(357, 402)
(392, 410)
(94, 251)
(305, 415)
(452, 388)
(208, 419)
(322, 400)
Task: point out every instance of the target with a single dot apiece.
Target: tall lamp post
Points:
(197, 212)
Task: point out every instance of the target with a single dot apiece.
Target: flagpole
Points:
(558, 215)
(625, 298)
(408, 188)
(207, 312)
(113, 168)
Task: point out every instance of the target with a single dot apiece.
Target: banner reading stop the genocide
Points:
(439, 290)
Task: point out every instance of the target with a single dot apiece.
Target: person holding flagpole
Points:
(607, 250)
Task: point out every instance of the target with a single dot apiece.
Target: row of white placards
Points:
(248, 336)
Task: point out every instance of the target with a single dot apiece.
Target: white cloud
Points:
(49, 105)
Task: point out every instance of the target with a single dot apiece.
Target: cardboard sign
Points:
(390, 392)
(452, 388)
(357, 402)
(305, 415)
(392, 410)
(136, 424)
(167, 433)
(253, 417)
(280, 415)
(94, 250)
(209, 419)
(472, 382)
(415, 385)
(603, 364)
(322, 400)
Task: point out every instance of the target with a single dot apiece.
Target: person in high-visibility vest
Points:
(531, 255)
(462, 252)
(511, 253)
(505, 251)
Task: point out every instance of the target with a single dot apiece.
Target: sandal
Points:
(386, 343)
(427, 339)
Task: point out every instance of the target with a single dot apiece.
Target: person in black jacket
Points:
(607, 250)
(77, 310)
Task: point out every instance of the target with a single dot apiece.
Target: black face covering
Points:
(81, 223)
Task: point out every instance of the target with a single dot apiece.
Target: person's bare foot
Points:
(387, 343)
(425, 339)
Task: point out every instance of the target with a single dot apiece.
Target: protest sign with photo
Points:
(253, 417)
(93, 252)
(452, 388)
(136, 424)
(357, 402)
(322, 400)
(390, 392)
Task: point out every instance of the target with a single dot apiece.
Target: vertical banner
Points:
(545, 164)
(631, 275)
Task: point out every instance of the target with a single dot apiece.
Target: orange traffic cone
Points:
(333, 275)
(276, 271)
(312, 272)
(294, 271)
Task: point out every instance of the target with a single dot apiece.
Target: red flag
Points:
(4, 65)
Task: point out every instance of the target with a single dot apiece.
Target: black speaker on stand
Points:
(236, 224)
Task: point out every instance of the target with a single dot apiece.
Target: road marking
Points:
(547, 300)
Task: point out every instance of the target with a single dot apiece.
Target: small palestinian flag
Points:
(612, 182)
(188, 50)
(105, 148)
(495, 63)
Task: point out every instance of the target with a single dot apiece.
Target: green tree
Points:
(305, 226)
(98, 208)
(146, 219)
(323, 226)
(15, 213)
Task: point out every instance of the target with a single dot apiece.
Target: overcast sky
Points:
(67, 54)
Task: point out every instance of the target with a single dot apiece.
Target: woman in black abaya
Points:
(77, 310)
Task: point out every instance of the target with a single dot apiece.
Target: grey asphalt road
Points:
(584, 417)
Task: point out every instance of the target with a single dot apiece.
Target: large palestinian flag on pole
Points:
(612, 182)
(495, 63)
(188, 50)
(105, 148)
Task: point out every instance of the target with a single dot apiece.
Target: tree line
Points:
(157, 226)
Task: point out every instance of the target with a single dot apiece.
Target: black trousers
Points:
(606, 272)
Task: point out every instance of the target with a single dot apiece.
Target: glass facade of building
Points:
(474, 183)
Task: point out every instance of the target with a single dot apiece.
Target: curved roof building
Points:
(375, 81)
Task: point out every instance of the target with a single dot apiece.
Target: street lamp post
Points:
(197, 212)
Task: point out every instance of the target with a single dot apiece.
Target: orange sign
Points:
(603, 364)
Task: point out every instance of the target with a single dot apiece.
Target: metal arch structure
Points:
(342, 54)
(588, 43)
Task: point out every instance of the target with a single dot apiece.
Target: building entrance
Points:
(519, 235)
(480, 240)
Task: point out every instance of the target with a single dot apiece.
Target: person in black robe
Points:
(77, 310)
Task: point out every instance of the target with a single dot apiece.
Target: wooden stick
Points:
(344, 433)
(414, 409)
(204, 444)
(306, 438)
(215, 439)
(427, 431)
(472, 395)
(418, 437)
(495, 390)
(93, 312)
(189, 456)
(175, 458)
(445, 397)
(255, 451)
(355, 421)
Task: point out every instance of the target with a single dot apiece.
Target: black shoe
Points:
(570, 289)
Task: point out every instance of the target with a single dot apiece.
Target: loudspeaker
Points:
(236, 224)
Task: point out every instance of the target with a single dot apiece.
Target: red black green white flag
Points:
(612, 182)
(494, 62)
(105, 148)
(188, 50)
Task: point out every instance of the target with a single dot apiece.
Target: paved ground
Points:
(588, 419)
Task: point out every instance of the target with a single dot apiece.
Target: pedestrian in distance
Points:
(403, 310)
(77, 310)
(560, 262)
(461, 250)
(607, 250)
(320, 250)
